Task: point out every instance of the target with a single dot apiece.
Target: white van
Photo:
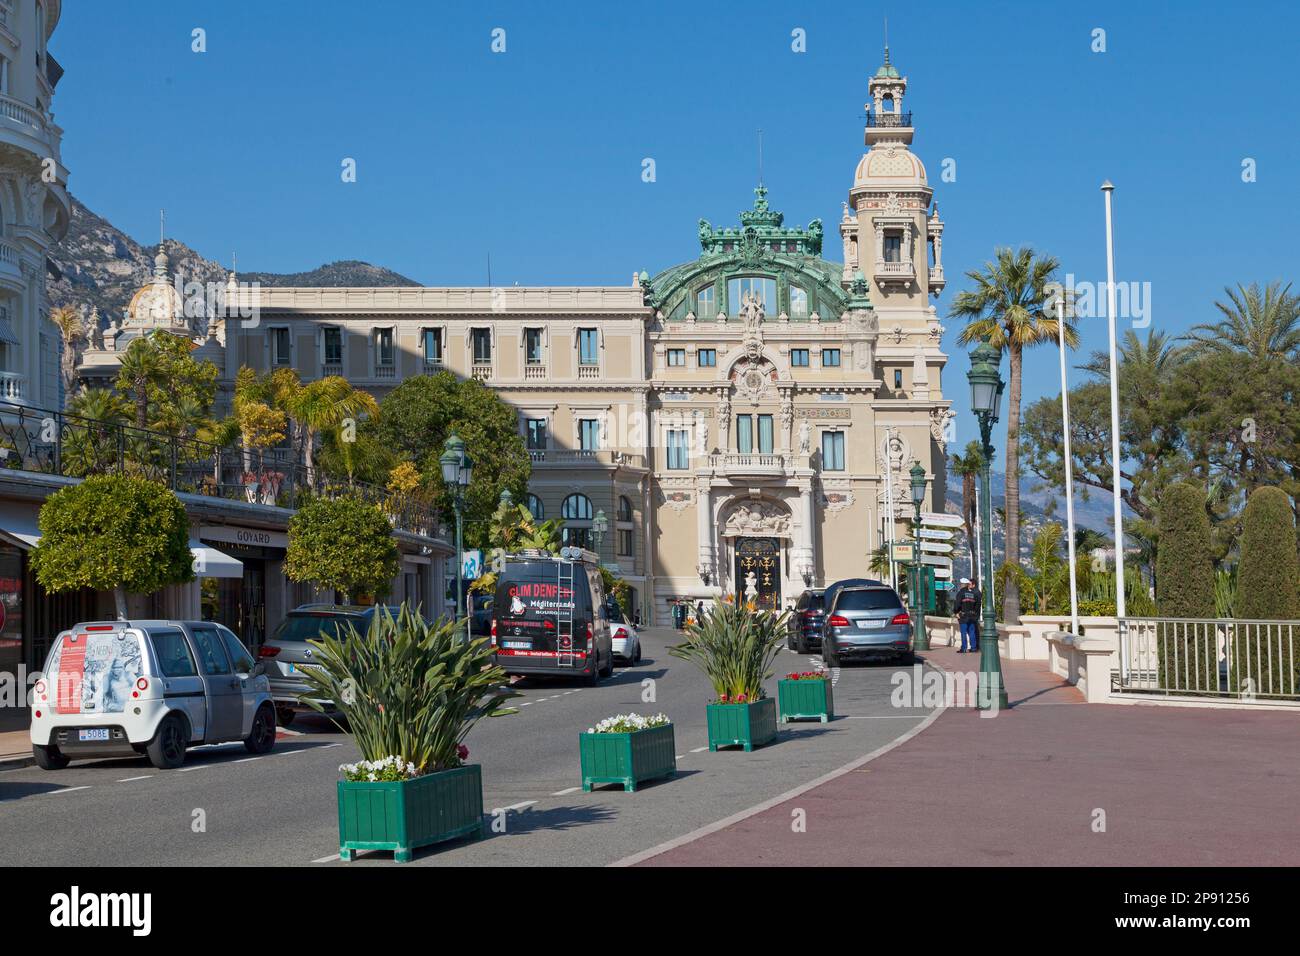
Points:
(113, 688)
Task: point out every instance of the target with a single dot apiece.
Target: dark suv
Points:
(805, 625)
(549, 616)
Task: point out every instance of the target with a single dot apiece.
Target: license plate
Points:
(870, 624)
(517, 645)
(299, 668)
(97, 734)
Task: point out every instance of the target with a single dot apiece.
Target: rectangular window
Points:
(765, 434)
(744, 434)
(431, 341)
(799, 358)
(482, 342)
(830, 358)
(798, 303)
(707, 358)
(588, 347)
(678, 450)
(589, 434)
(280, 351)
(384, 355)
(705, 304)
(898, 378)
(676, 357)
(893, 250)
(626, 541)
(533, 346)
(536, 434)
(832, 451)
(333, 345)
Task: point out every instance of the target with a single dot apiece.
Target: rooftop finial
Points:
(886, 41)
(760, 158)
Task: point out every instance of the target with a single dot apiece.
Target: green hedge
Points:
(1268, 589)
(1185, 586)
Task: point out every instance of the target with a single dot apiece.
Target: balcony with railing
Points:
(482, 371)
(588, 372)
(331, 368)
(888, 120)
(534, 372)
(13, 387)
(902, 271)
(432, 366)
(585, 457)
(79, 447)
(749, 463)
(385, 371)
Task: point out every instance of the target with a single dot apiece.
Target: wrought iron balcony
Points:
(889, 120)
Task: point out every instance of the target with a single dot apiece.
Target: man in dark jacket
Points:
(679, 614)
(968, 606)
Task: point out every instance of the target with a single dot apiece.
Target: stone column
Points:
(803, 552)
(705, 564)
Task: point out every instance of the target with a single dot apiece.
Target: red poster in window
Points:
(71, 670)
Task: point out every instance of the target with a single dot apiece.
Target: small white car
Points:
(626, 640)
(114, 688)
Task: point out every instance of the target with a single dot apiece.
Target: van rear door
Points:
(94, 669)
(535, 610)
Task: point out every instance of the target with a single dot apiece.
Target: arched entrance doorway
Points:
(756, 531)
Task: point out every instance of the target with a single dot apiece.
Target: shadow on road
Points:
(556, 818)
(17, 791)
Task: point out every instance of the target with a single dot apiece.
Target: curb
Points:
(17, 762)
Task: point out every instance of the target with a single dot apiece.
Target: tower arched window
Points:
(536, 508)
(762, 286)
(576, 508)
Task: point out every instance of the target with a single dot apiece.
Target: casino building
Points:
(742, 422)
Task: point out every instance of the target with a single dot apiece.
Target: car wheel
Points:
(261, 738)
(592, 679)
(637, 659)
(609, 666)
(829, 657)
(801, 645)
(284, 716)
(49, 758)
(167, 749)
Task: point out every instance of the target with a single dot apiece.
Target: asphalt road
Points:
(225, 807)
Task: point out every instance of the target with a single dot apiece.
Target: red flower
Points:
(462, 751)
(741, 698)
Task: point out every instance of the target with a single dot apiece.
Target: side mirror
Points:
(258, 669)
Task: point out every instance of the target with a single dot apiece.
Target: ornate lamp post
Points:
(457, 472)
(599, 525)
(920, 637)
(986, 386)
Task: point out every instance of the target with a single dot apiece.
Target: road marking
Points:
(698, 749)
(197, 766)
(129, 779)
(66, 790)
(882, 716)
(561, 793)
(779, 799)
(245, 759)
(328, 746)
(520, 806)
(679, 756)
(327, 859)
(528, 703)
(286, 730)
(289, 753)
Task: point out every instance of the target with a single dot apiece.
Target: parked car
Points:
(831, 590)
(549, 617)
(866, 623)
(480, 614)
(114, 688)
(805, 622)
(624, 637)
(286, 652)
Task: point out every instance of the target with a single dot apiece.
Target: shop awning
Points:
(18, 526)
(7, 333)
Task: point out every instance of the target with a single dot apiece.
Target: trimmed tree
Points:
(113, 533)
(1185, 589)
(1267, 581)
(342, 544)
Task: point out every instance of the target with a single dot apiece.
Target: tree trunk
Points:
(141, 407)
(119, 599)
(1010, 592)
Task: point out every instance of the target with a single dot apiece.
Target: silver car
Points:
(866, 623)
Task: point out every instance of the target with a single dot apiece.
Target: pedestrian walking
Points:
(699, 612)
(968, 615)
(679, 615)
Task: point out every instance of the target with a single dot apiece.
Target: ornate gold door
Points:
(758, 571)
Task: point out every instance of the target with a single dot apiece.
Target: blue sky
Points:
(534, 155)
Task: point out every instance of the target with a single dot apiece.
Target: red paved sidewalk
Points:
(1179, 787)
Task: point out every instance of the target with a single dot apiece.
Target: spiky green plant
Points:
(407, 688)
(1225, 592)
(734, 645)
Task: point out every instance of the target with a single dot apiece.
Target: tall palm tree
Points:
(73, 332)
(968, 466)
(1007, 307)
(324, 405)
(139, 367)
(1264, 323)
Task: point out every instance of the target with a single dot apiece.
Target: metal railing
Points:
(1204, 657)
(887, 120)
(41, 441)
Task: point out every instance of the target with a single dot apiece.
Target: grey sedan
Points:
(866, 623)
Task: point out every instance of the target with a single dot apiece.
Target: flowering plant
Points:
(628, 723)
(385, 770)
(806, 675)
(735, 646)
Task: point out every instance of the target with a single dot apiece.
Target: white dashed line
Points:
(197, 766)
(327, 859)
(129, 779)
(51, 793)
(561, 793)
(245, 759)
(527, 703)
(289, 753)
(698, 749)
(679, 756)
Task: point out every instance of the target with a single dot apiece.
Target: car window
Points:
(312, 627)
(239, 655)
(173, 652)
(816, 602)
(212, 656)
(875, 599)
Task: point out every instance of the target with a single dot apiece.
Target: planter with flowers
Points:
(806, 695)
(734, 645)
(628, 749)
(410, 692)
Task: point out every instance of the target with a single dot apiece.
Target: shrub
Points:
(408, 690)
(734, 645)
(113, 533)
(1185, 589)
(629, 723)
(1267, 581)
(343, 544)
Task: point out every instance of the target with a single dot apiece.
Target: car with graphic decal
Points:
(120, 688)
(549, 616)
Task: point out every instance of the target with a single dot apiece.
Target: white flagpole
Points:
(1107, 187)
(1063, 310)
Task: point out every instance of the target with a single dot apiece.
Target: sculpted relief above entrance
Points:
(764, 518)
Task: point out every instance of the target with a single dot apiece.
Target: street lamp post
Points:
(599, 525)
(920, 637)
(986, 386)
(457, 471)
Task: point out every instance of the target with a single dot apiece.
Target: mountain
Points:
(101, 266)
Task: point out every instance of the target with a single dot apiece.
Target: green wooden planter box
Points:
(401, 815)
(629, 758)
(742, 725)
(805, 700)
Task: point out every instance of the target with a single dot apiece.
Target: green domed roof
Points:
(888, 72)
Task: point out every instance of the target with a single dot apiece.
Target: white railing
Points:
(9, 253)
(433, 366)
(894, 268)
(747, 462)
(482, 371)
(385, 371)
(1224, 658)
(13, 385)
(534, 371)
(331, 368)
(20, 112)
(588, 372)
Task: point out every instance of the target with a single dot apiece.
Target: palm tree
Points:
(140, 366)
(1007, 308)
(73, 332)
(1264, 323)
(325, 405)
(968, 466)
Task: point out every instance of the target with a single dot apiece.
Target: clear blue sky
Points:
(535, 155)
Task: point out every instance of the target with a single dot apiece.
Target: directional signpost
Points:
(937, 520)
